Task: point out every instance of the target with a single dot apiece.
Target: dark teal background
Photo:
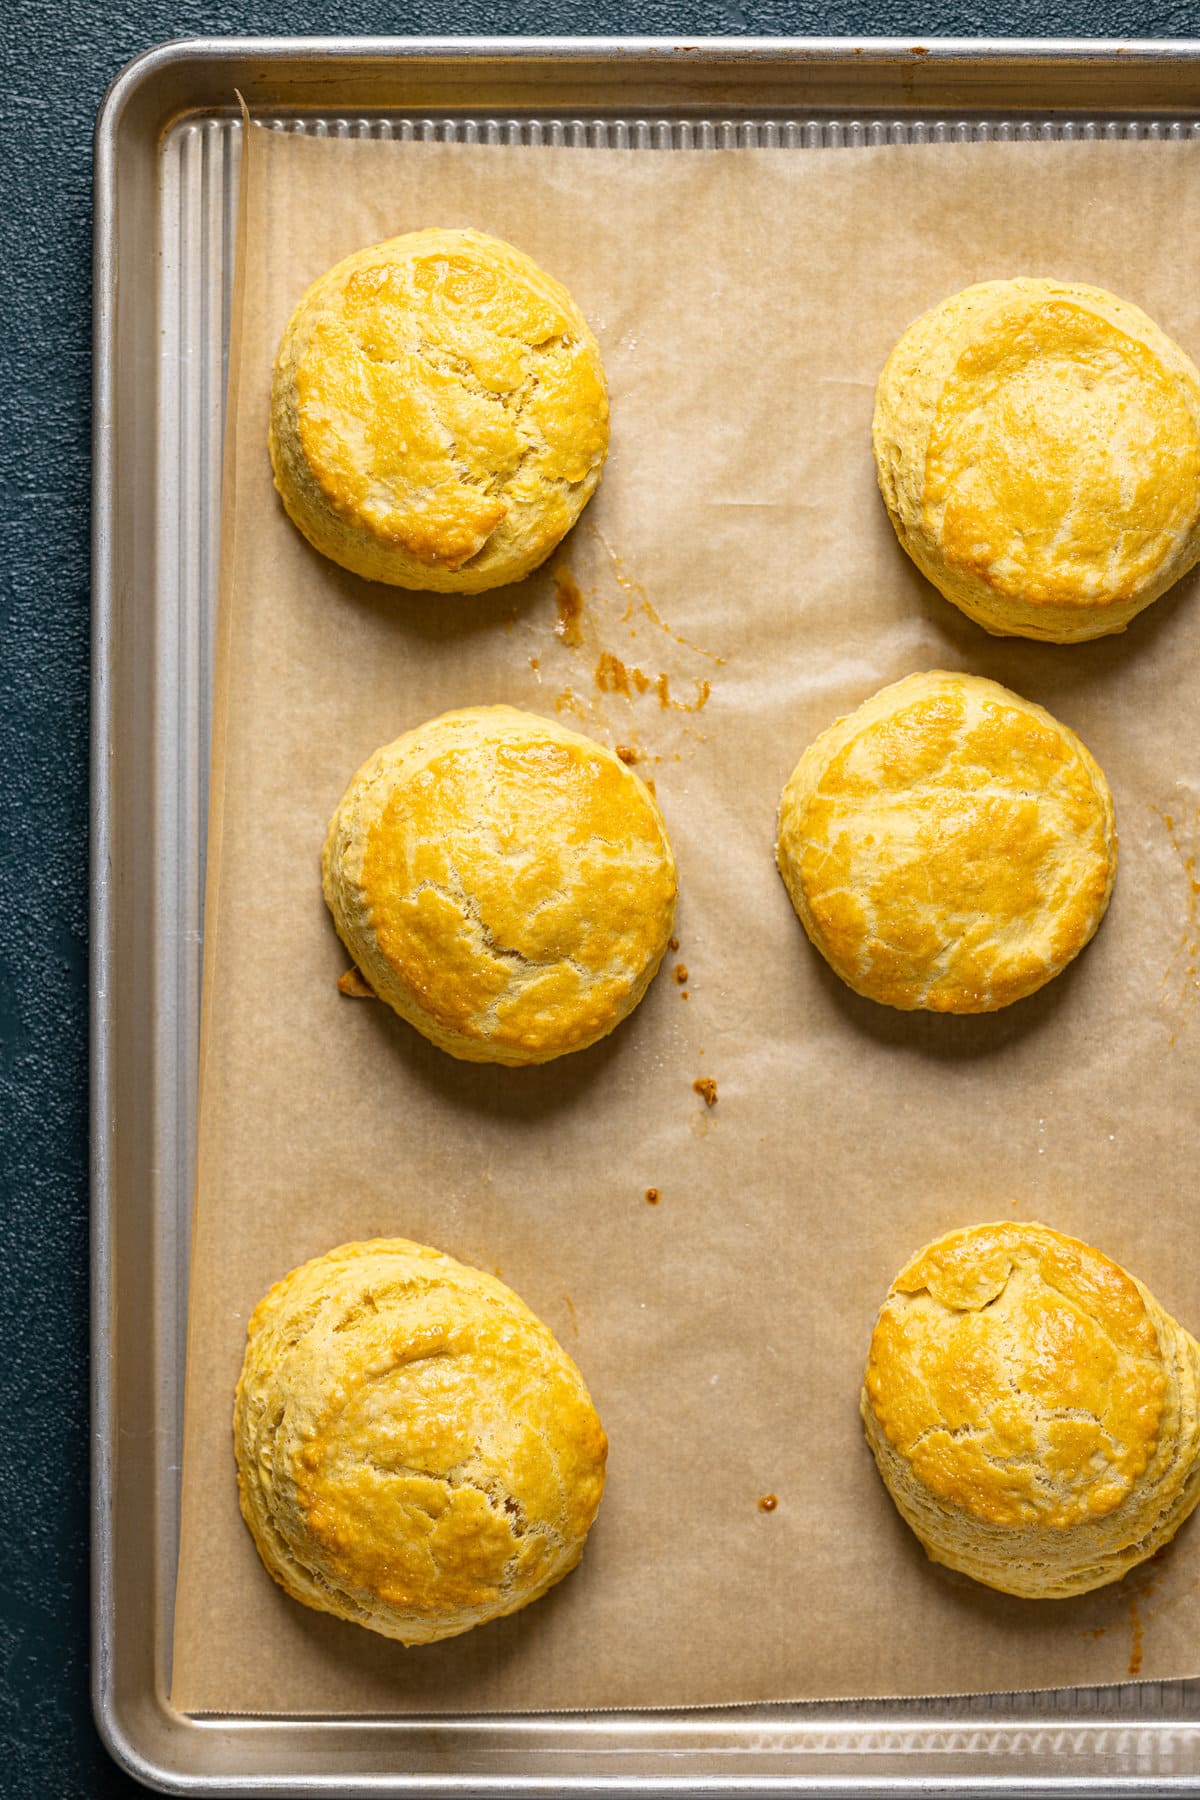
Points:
(59, 56)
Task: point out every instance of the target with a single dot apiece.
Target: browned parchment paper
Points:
(737, 546)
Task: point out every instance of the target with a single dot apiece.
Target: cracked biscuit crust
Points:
(415, 1451)
(505, 884)
(1032, 1410)
(1038, 447)
(949, 845)
(439, 417)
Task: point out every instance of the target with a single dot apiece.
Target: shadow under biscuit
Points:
(513, 1095)
(418, 1673)
(434, 618)
(948, 1037)
(1096, 1614)
(1041, 671)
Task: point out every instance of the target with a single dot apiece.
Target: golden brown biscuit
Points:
(505, 884)
(947, 846)
(415, 1451)
(1033, 1410)
(439, 416)
(1038, 447)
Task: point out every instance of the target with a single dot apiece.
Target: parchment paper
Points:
(744, 304)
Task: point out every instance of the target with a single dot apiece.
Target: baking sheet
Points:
(737, 547)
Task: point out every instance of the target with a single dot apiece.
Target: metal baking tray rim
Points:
(110, 604)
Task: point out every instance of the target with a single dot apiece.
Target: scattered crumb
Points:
(674, 944)
(652, 1196)
(706, 1087)
(768, 1503)
(628, 754)
(681, 973)
(352, 983)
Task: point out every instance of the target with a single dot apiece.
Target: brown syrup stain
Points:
(354, 985)
(680, 973)
(1145, 1584)
(568, 597)
(590, 625)
(637, 599)
(1181, 977)
(611, 676)
(662, 688)
(1136, 1635)
(768, 1503)
(706, 1087)
(569, 701)
(652, 1196)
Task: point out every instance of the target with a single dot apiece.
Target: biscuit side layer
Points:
(1037, 445)
(416, 1453)
(1033, 1411)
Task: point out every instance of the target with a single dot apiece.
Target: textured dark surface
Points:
(59, 57)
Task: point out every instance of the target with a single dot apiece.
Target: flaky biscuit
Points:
(949, 845)
(415, 1451)
(505, 884)
(1038, 447)
(439, 417)
(1033, 1410)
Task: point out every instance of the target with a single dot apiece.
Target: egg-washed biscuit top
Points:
(1019, 1372)
(504, 883)
(1038, 447)
(949, 845)
(439, 412)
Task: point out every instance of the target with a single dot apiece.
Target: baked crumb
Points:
(353, 984)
